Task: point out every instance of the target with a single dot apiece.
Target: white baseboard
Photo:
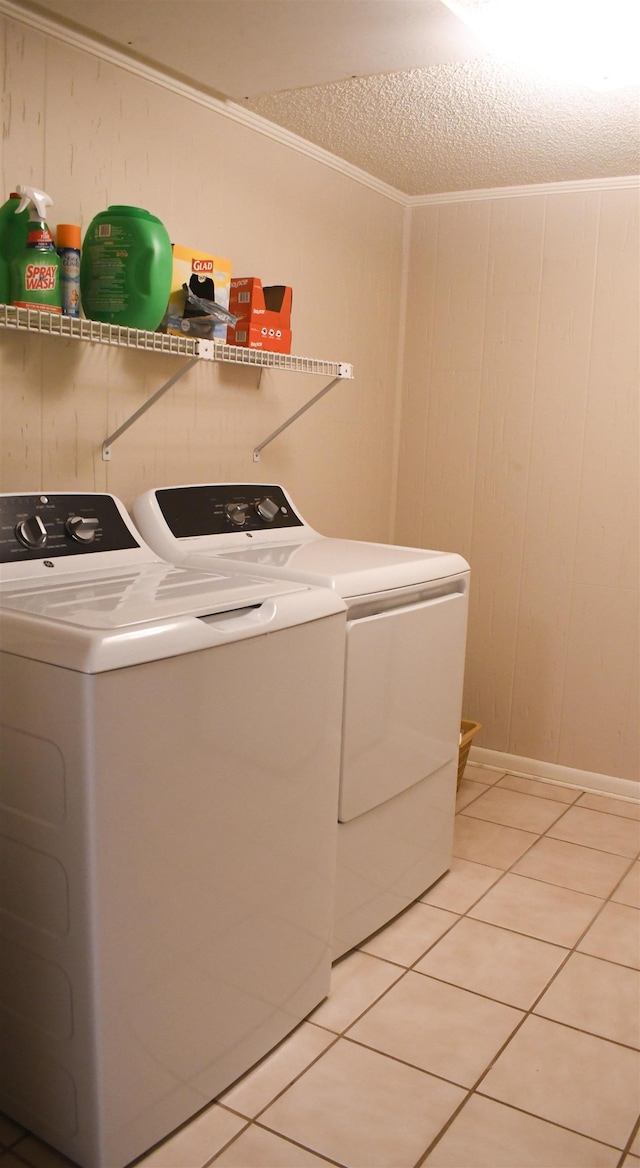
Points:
(531, 768)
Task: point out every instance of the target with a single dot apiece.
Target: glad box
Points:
(199, 282)
(264, 315)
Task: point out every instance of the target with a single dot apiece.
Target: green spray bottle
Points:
(35, 271)
(13, 239)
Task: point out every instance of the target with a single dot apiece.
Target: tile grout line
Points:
(254, 1121)
(474, 1090)
(261, 1110)
(605, 900)
(511, 1107)
(344, 1033)
(411, 968)
(627, 1149)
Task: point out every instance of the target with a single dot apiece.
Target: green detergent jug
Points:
(126, 267)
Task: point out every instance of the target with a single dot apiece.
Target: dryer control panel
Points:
(220, 508)
(36, 527)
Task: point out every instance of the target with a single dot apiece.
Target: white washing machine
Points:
(405, 649)
(170, 751)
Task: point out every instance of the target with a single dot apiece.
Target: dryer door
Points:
(403, 692)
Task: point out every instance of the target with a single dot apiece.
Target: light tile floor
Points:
(494, 1024)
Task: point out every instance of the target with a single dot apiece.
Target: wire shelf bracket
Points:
(108, 442)
(303, 409)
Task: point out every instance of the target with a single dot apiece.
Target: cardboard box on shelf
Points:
(200, 285)
(264, 315)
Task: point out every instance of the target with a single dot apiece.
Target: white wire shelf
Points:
(56, 325)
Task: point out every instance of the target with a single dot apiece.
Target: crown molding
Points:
(627, 182)
(303, 146)
(251, 121)
(225, 108)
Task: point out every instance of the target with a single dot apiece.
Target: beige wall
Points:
(519, 435)
(520, 450)
(93, 134)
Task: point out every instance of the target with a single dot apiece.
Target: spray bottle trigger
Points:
(40, 199)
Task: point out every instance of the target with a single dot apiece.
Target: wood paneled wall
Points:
(92, 133)
(520, 449)
(518, 419)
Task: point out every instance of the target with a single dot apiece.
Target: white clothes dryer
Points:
(170, 751)
(405, 649)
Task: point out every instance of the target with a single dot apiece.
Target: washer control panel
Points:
(36, 527)
(220, 508)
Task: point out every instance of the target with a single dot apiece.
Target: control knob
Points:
(267, 509)
(32, 532)
(81, 529)
(237, 513)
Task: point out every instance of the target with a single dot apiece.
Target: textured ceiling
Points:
(398, 88)
(465, 126)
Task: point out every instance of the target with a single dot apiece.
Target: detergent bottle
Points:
(13, 238)
(126, 268)
(35, 269)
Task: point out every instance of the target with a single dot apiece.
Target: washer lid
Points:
(103, 621)
(349, 567)
(108, 600)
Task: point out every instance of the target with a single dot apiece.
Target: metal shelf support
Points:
(293, 418)
(108, 442)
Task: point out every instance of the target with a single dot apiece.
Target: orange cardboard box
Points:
(264, 315)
